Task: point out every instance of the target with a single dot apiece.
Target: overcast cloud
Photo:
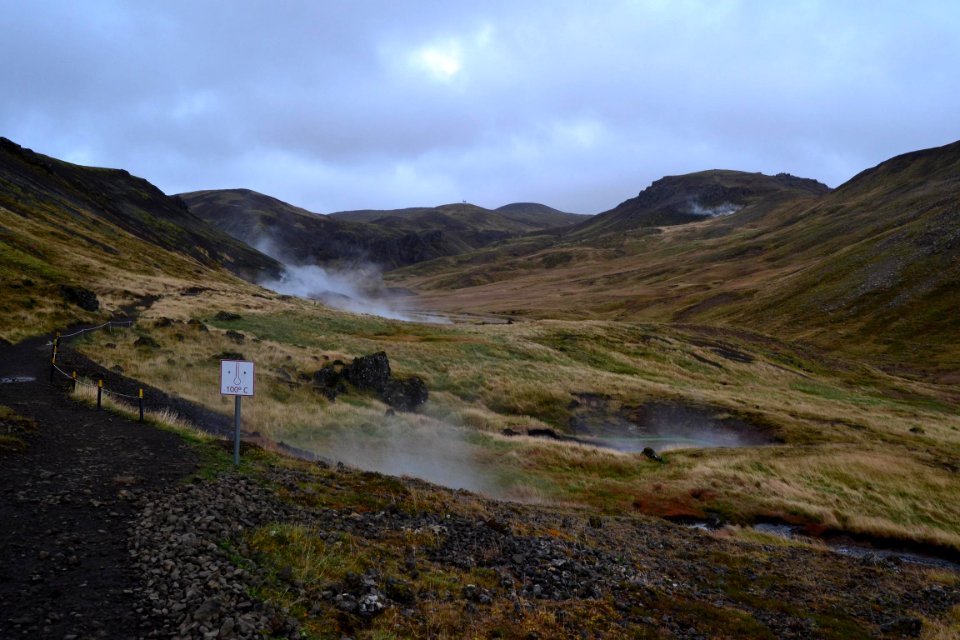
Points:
(579, 105)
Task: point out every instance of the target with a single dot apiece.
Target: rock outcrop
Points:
(372, 373)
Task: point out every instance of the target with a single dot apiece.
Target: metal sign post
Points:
(236, 379)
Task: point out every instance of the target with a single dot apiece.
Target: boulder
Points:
(903, 627)
(369, 372)
(651, 454)
(146, 341)
(80, 296)
(405, 395)
(228, 355)
(327, 377)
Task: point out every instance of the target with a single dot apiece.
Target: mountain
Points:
(77, 239)
(390, 238)
(870, 267)
(539, 215)
(693, 197)
(130, 203)
(465, 226)
(519, 217)
(877, 261)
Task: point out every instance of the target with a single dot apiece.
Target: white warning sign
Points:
(236, 378)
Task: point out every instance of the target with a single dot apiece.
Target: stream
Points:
(844, 545)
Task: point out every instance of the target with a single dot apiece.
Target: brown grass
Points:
(862, 450)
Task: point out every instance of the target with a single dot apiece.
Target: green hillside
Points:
(870, 268)
(66, 228)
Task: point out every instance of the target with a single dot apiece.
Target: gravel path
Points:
(65, 504)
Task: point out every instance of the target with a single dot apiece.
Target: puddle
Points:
(16, 379)
(662, 426)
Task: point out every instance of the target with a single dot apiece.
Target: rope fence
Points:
(99, 385)
(109, 324)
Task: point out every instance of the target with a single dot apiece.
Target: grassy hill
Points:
(66, 228)
(388, 238)
(692, 197)
(511, 219)
(539, 216)
(869, 268)
(880, 262)
(302, 237)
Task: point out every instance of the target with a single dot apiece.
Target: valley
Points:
(786, 357)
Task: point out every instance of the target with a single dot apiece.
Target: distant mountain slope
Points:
(68, 233)
(129, 202)
(467, 218)
(297, 235)
(872, 267)
(539, 215)
(882, 257)
(693, 197)
(390, 238)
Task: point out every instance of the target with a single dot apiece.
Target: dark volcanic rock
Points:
(653, 455)
(372, 373)
(228, 355)
(202, 328)
(328, 377)
(405, 395)
(905, 627)
(369, 372)
(146, 341)
(80, 296)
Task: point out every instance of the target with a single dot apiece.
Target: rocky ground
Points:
(516, 571)
(110, 532)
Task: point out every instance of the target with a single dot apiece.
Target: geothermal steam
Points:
(355, 290)
(437, 453)
(359, 289)
(725, 209)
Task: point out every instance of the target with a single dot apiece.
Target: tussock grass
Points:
(946, 629)
(86, 393)
(861, 449)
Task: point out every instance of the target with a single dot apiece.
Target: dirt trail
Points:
(65, 503)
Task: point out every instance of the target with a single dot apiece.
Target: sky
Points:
(381, 104)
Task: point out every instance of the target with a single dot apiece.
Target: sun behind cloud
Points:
(441, 61)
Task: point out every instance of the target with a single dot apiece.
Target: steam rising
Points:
(348, 290)
(359, 289)
(436, 453)
(724, 209)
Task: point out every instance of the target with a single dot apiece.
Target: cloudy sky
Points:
(354, 104)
